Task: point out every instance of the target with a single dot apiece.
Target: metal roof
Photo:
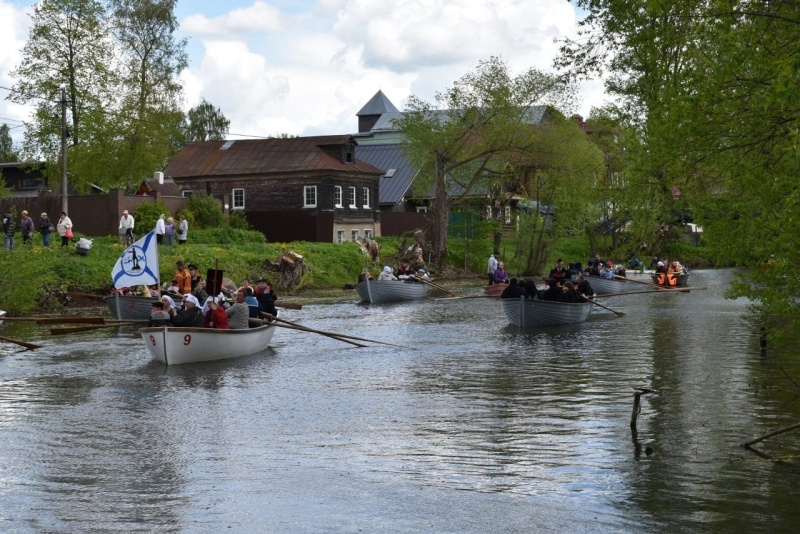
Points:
(377, 105)
(266, 156)
(392, 188)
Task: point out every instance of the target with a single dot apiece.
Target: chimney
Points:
(159, 176)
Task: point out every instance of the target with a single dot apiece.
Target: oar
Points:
(471, 297)
(21, 343)
(268, 316)
(305, 329)
(435, 285)
(615, 312)
(76, 329)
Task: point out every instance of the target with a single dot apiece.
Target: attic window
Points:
(227, 145)
(390, 173)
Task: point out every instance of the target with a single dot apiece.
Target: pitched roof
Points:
(168, 188)
(377, 105)
(398, 174)
(266, 156)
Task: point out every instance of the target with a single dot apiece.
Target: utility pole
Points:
(64, 194)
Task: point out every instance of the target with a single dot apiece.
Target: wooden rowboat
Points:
(130, 308)
(671, 280)
(494, 290)
(383, 291)
(526, 313)
(179, 345)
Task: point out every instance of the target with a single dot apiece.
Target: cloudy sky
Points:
(306, 67)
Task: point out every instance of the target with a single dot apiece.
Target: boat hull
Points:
(383, 291)
(526, 313)
(179, 345)
(613, 286)
(671, 280)
(494, 290)
(130, 308)
(2, 314)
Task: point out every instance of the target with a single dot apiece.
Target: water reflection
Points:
(469, 426)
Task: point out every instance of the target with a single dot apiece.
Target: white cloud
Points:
(14, 24)
(259, 17)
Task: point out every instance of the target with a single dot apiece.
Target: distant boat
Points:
(2, 314)
(612, 286)
(671, 280)
(494, 290)
(129, 307)
(180, 345)
(527, 313)
(383, 291)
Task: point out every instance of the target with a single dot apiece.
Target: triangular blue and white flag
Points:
(138, 265)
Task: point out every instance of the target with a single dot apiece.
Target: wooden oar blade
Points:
(21, 343)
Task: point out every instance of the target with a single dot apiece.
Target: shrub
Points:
(146, 215)
(205, 212)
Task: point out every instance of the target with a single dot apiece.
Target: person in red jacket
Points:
(215, 316)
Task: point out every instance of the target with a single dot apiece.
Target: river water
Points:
(472, 426)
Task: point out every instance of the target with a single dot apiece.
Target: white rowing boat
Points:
(527, 313)
(382, 291)
(2, 314)
(179, 345)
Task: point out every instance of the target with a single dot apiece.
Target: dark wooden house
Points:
(301, 188)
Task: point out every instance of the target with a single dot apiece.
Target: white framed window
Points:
(340, 236)
(353, 235)
(186, 193)
(507, 214)
(368, 233)
(365, 197)
(422, 209)
(337, 197)
(353, 197)
(237, 198)
(310, 196)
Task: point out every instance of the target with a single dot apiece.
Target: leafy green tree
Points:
(713, 89)
(7, 153)
(152, 58)
(204, 211)
(468, 135)
(68, 46)
(206, 123)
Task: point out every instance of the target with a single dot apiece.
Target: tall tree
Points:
(68, 46)
(716, 87)
(7, 153)
(152, 58)
(471, 130)
(206, 123)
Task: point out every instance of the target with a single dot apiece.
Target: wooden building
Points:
(291, 189)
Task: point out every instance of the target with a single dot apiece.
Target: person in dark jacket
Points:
(266, 297)
(191, 315)
(513, 291)
(584, 287)
(554, 292)
(570, 293)
(45, 228)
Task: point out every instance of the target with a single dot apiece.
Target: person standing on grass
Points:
(64, 227)
(183, 230)
(45, 228)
